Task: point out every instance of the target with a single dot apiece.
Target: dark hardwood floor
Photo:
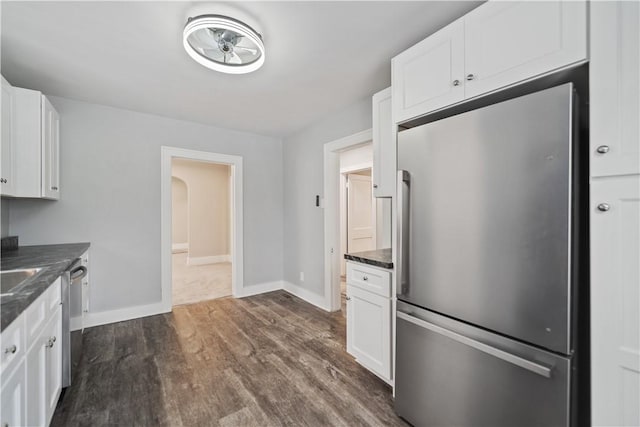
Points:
(266, 360)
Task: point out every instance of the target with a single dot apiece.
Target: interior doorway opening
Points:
(365, 222)
(175, 240)
(201, 231)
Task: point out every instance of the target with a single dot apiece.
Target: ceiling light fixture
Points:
(223, 44)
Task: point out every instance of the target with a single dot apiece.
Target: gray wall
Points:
(303, 179)
(4, 212)
(110, 176)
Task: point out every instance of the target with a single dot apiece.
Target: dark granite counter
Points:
(54, 260)
(379, 258)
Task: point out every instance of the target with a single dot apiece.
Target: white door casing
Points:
(332, 213)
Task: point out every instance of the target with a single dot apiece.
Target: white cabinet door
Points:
(12, 396)
(384, 146)
(369, 330)
(36, 385)
(54, 363)
(7, 173)
(507, 42)
(615, 296)
(430, 74)
(614, 86)
(50, 151)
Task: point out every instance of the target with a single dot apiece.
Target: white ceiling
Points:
(321, 57)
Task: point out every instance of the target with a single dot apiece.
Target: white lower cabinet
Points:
(369, 322)
(12, 397)
(44, 373)
(30, 392)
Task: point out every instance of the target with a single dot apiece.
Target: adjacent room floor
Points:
(266, 360)
(194, 283)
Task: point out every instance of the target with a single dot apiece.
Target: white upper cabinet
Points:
(507, 42)
(614, 84)
(384, 146)
(7, 171)
(429, 75)
(38, 146)
(493, 46)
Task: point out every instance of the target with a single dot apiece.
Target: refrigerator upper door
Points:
(486, 203)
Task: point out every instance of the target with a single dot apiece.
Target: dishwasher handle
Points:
(78, 273)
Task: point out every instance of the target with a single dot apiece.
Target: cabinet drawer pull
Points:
(11, 349)
(365, 278)
(470, 77)
(603, 207)
(348, 298)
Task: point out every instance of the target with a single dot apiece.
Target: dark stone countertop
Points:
(379, 258)
(54, 260)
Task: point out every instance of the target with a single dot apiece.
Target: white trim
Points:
(122, 314)
(261, 288)
(332, 214)
(203, 260)
(178, 248)
(305, 294)
(237, 259)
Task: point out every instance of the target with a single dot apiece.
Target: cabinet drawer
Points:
(369, 278)
(36, 316)
(40, 311)
(12, 345)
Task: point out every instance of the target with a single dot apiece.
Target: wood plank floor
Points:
(266, 360)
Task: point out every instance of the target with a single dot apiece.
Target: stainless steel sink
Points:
(11, 280)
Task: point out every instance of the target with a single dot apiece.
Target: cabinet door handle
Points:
(348, 298)
(375, 185)
(365, 278)
(54, 188)
(11, 349)
(456, 82)
(470, 77)
(603, 149)
(603, 207)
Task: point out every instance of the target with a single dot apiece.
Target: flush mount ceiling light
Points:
(223, 44)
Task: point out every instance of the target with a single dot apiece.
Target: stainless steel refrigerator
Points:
(485, 315)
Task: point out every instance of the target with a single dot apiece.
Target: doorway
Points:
(213, 264)
(201, 224)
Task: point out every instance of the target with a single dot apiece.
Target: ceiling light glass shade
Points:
(223, 44)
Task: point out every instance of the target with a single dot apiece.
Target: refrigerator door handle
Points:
(402, 196)
(529, 365)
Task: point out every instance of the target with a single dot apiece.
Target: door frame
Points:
(332, 173)
(237, 264)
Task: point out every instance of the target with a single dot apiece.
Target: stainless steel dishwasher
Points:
(72, 309)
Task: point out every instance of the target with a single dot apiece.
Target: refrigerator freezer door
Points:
(452, 374)
(489, 194)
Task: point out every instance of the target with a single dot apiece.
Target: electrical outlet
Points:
(302, 276)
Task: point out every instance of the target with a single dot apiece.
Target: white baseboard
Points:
(260, 288)
(305, 294)
(122, 314)
(129, 313)
(179, 248)
(202, 260)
